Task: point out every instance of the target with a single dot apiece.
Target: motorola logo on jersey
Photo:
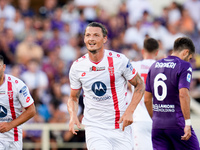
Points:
(3, 111)
(99, 88)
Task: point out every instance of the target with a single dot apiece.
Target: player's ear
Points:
(186, 52)
(156, 53)
(142, 51)
(84, 39)
(4, 67)
(104, 39)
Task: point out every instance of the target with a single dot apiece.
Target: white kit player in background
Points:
(103, 76)
(142, 122)
(14, 97)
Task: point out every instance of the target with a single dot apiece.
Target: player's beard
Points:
(95, 50)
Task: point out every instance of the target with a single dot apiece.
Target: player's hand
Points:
(127, 119)
(187, 135)
(74, 121)
(5, 127)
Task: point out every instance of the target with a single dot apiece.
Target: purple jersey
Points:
(164, 80)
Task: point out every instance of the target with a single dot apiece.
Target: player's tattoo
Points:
(78, 93)
(138, 83)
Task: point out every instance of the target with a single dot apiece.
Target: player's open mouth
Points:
(92, 44)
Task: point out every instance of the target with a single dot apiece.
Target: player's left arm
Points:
(184, 96)
(185, 107)
(148, 102)
(127, 117)
(26, 115)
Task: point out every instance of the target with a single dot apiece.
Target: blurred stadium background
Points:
(41, 38)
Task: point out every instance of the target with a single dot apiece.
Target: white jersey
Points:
(105, 88)
(14, 96)
(141, 113)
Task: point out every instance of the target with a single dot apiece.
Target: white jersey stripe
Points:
(12, 109)
(113, 90)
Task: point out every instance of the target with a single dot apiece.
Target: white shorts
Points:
(10, 145)
(142, 135)
(104, 139)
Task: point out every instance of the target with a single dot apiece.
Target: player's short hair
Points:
(151, 45)
(1, 59)
(184, 43)
(97, 24)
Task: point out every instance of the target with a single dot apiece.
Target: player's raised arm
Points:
(72, 106)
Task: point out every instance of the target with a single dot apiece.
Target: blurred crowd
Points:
(40, 46)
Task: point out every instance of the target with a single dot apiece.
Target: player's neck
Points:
(148, 57)
(2, 79)
(96, 57)
(177, 55)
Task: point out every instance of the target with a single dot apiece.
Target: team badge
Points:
(24, 91)
(129, 65)
(188, 77)
(111, 71)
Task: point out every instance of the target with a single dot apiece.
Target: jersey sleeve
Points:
(74, 81)
(129, 71)
(185, 76)
(24, 95)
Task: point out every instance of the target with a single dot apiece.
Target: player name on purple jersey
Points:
(165, 65)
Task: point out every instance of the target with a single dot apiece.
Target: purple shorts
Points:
(170, 139)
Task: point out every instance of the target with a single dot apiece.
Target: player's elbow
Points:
(184, 94)
(31, 110)
(147, 103)
(184, 98)
(181, 96)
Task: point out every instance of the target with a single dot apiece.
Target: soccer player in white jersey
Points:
(103, 76)
(14, 96)
(142, 122)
